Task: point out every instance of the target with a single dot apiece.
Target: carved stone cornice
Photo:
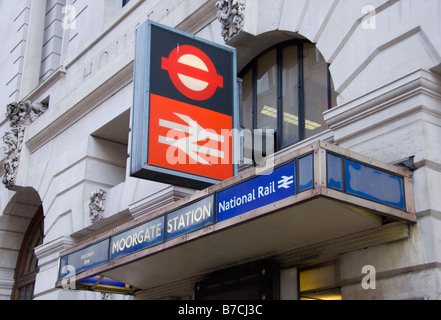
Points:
(231, 14)
(20, 115)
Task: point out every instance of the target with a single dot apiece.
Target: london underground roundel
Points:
(192, 72)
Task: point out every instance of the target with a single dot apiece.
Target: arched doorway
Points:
(27, 263)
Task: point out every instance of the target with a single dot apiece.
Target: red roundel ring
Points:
(198, 69)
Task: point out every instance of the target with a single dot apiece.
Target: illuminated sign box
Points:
(185, 93)
(326, 171)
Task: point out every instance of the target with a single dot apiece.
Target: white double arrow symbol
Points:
(188, 144)
(286, 182)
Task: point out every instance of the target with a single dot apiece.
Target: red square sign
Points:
(190, 139)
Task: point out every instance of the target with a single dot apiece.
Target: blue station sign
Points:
(257, 192)
(142, 237)
(376, 186)
(190, 218)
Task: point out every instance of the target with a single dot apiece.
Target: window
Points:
(27, 263)
(287, 88)
(124, 2)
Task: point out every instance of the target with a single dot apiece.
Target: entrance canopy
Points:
(312, 195)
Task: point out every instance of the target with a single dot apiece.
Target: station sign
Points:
(190, 218)
(185, 97)
(141, 237)
(256, 193)
(328, 173)
(84, 259)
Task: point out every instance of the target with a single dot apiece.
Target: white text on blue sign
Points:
(256, 193)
